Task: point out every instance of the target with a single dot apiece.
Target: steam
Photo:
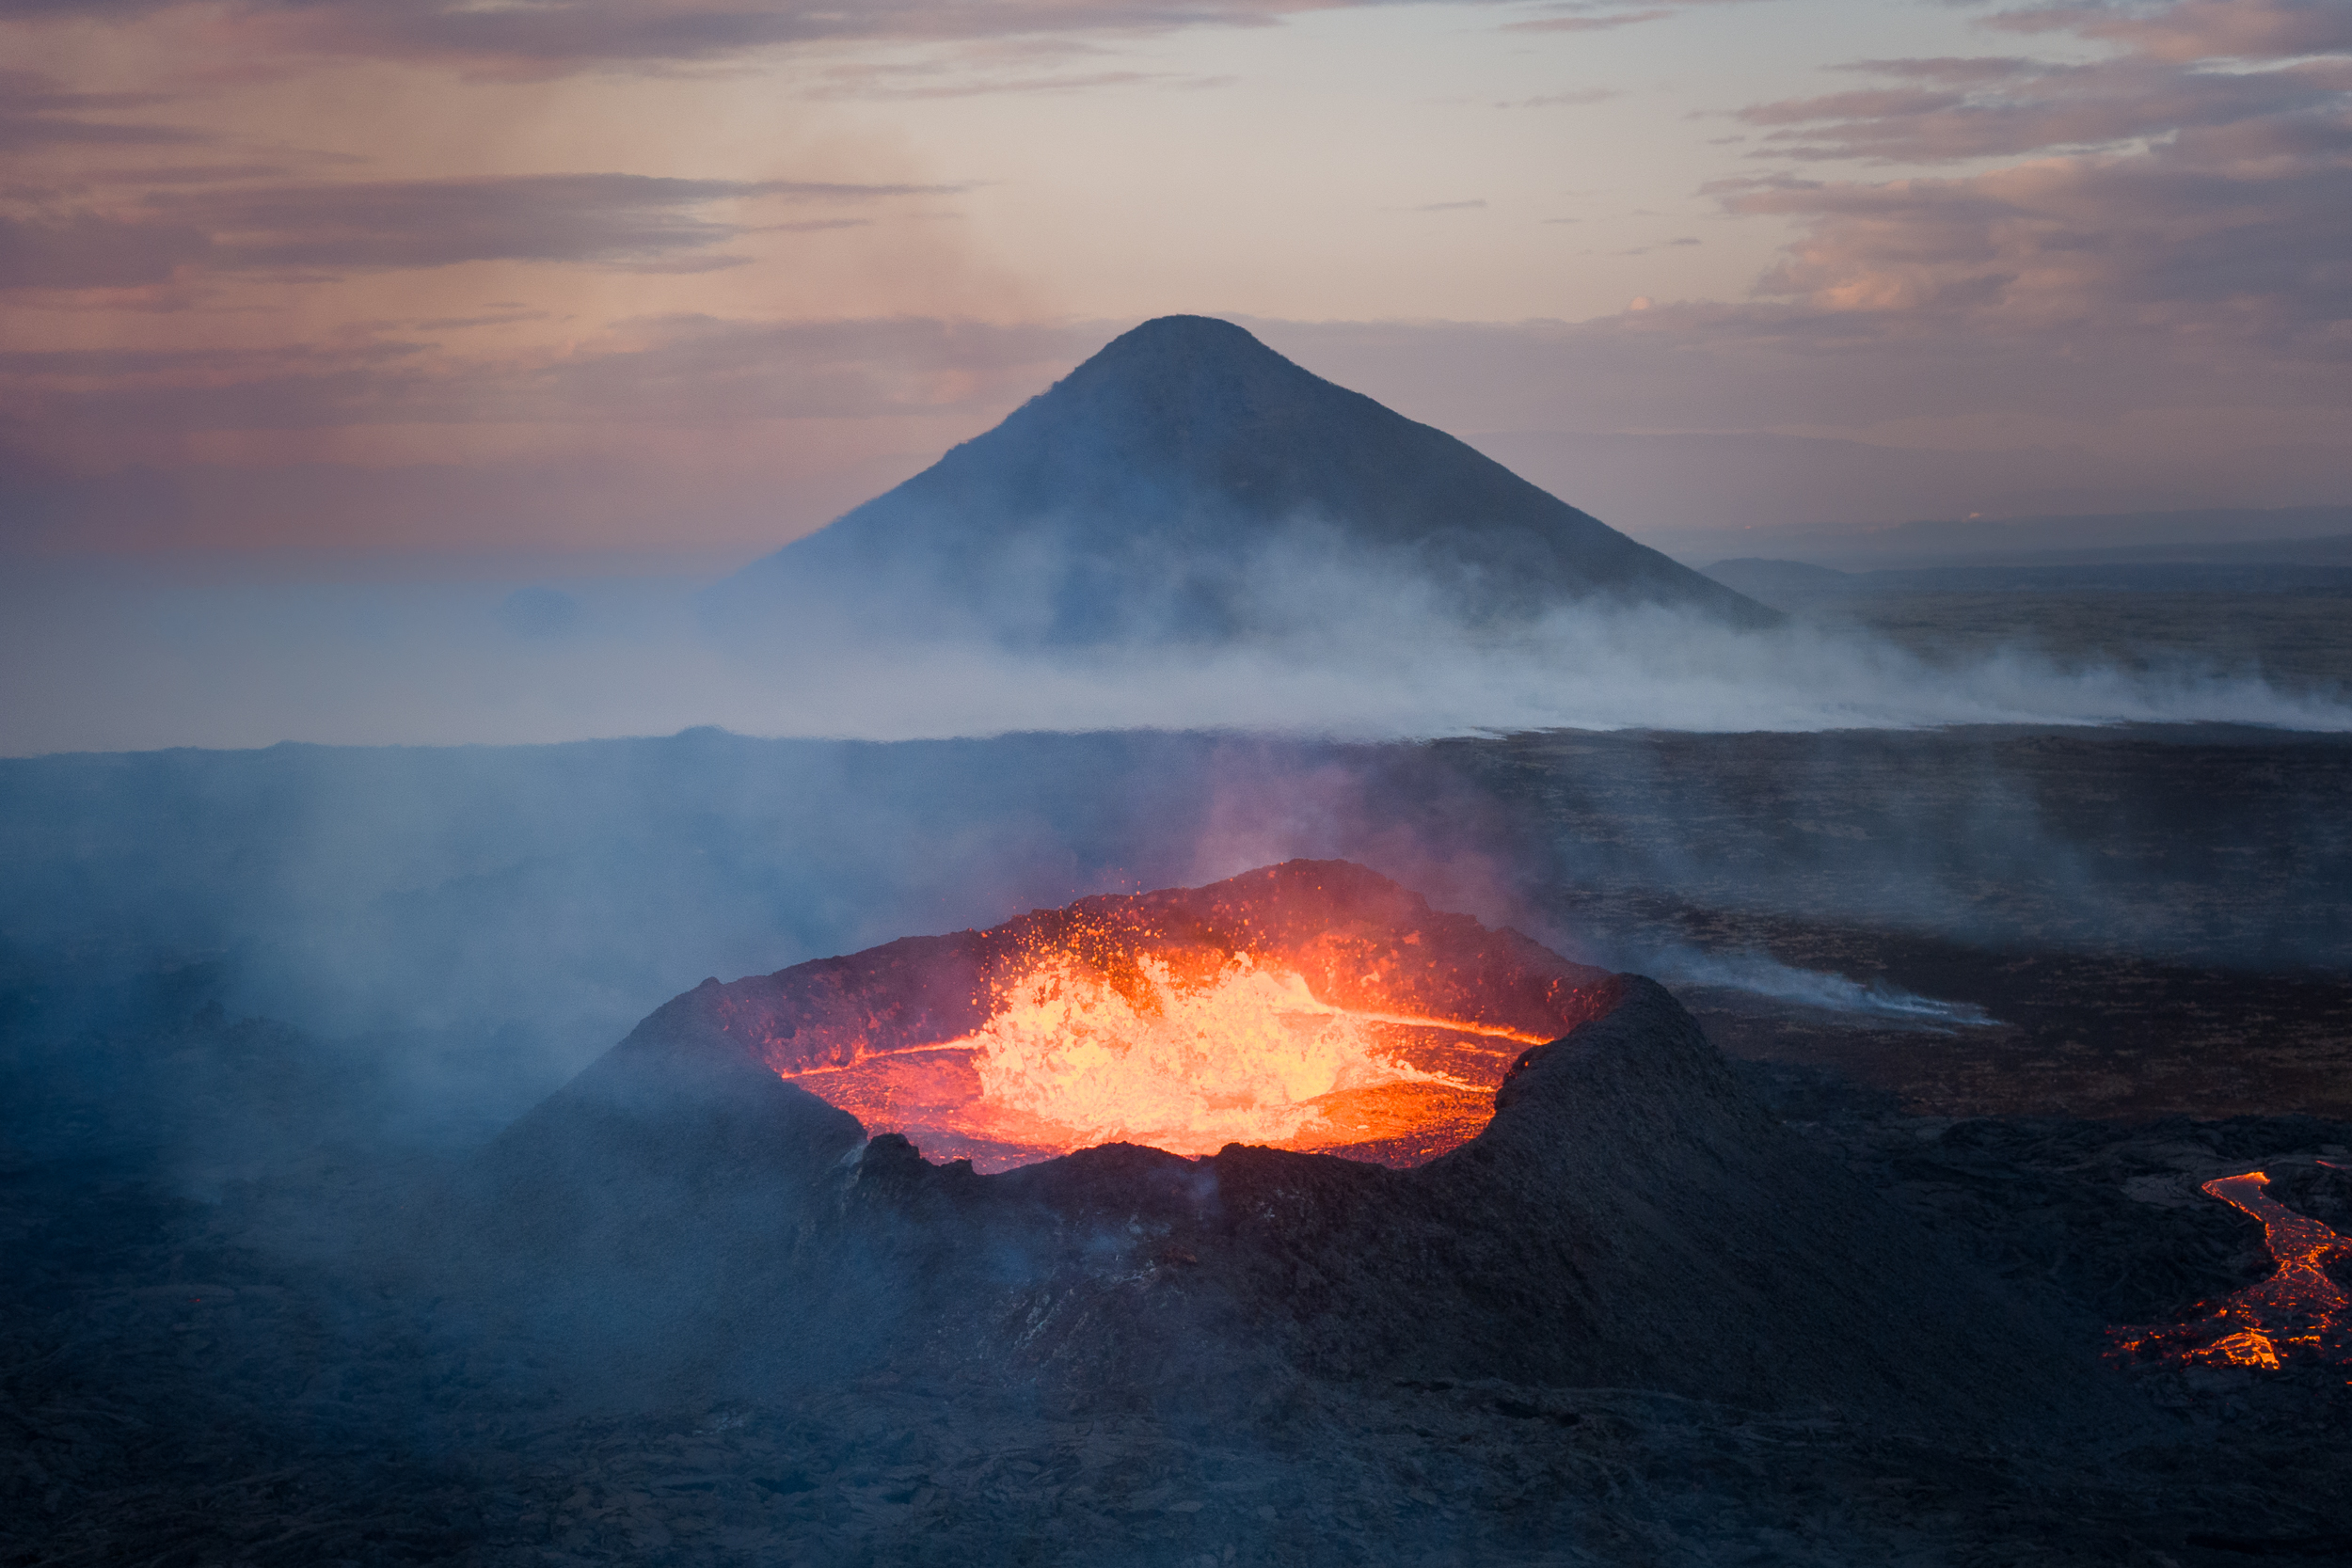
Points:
(1876, 1000)
(108, 662)
(1595, 668)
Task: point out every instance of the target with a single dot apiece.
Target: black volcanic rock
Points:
(1631, 1219)
(1189, 483)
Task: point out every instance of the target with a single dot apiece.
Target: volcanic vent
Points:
(1090, 1152)
(1314, 1005)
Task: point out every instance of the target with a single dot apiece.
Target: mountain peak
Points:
(1185, 345)
(1175, 486)
(1185, 334)
(1181, 380)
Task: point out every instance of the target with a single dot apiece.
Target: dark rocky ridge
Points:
(1189, 483)
(1631, 1218)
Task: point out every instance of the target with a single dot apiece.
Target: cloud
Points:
(2154, 242)
(2197, 30)
(135, 393)
(36, 112)
(90, 251)
(79, 10)
(2009, 108)
(430, 223)
(630, 221)
(561, 37)
(20, 133)
(558, 37)
(2154, 193)
(666, 374)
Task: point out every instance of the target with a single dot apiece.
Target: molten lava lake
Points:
(1314, 1005)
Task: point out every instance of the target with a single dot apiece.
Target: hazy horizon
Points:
(400, 374)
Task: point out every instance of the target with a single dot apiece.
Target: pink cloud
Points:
(619, 220)
(2029, 108)
(2152, 195)
(2194, 31)
(560, 36)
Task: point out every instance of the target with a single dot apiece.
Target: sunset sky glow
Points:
(693, 276)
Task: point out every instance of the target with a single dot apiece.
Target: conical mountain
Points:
(1187, 483)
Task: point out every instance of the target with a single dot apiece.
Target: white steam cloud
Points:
(1760, 975)
(108, 662)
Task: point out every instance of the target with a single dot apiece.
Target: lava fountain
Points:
(2297, 1313)
(1312, 1005)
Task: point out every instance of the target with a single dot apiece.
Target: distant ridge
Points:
(1787, 584)
(2280, 535)
(1189, 483)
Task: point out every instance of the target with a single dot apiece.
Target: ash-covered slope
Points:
(1631, 1218)
(1189, 483)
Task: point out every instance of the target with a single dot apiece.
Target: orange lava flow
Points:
(2299, 1313)
(1312, 1005)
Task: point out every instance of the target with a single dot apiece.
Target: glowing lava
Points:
(1311, 1005)
(2299, 1313)
(1244, 1058)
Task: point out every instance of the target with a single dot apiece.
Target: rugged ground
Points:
(181, 1390)
(194, 1369)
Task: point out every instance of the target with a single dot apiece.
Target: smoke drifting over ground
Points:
(114, 660)
(1762, 975)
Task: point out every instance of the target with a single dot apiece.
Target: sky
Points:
(679, 280)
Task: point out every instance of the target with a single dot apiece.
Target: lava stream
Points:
(2299, 1313)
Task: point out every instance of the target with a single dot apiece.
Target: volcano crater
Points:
(747, 1174)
